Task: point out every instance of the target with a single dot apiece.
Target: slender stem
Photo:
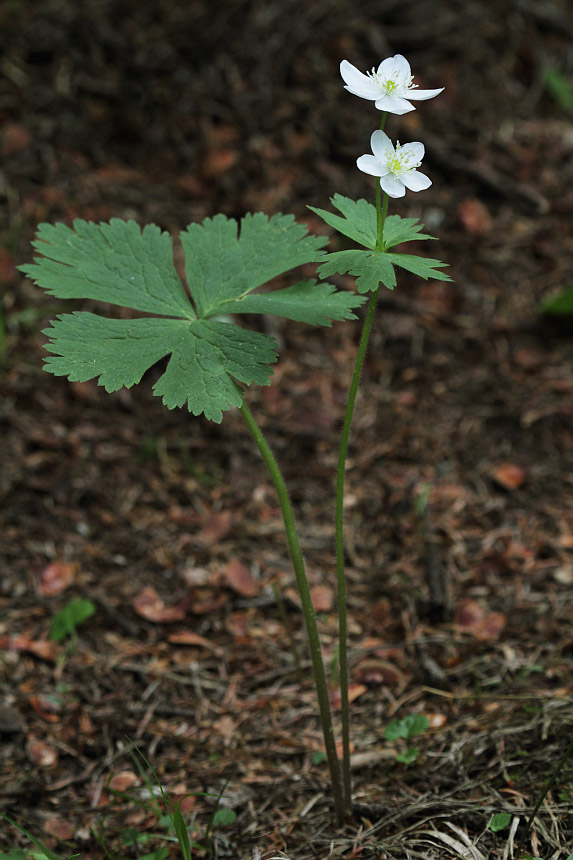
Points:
(381, 222)
(381, 212)
(379, 225)
(307, 608)
(339, 539)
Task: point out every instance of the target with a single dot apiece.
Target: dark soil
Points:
(172, 110)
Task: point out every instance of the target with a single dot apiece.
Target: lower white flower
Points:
(389, 86)
(397, 168)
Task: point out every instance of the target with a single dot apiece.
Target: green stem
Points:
(307, 608)
(379, 225)
(339, 539)
(381, 212)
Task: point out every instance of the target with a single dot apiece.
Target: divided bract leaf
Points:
(422, 266)
(370, 268)
(122, 264)
(398, 230)
(358, 221)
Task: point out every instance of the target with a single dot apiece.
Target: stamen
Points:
(400, 161)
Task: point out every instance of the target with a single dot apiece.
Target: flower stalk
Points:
(339, 540)
(308, 610)
(381, 212)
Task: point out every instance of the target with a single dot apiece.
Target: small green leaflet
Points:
(121, 264)
(425, 267)
(373, 266)
(398, 230)
(499, 821)
(560, 304)
(408, 727)
(370, 268)
(73, 614)
(358, 221)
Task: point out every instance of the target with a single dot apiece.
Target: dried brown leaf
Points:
(150, 606)
(56, 577)
(41, 754)
(239, 578)
(509, 475)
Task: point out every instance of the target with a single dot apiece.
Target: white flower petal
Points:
(363, 93)
(390, 67)
(357, 83)
(401, 66)
(394, 104)
(386, 67)
(381, 145)
(369, 164)
(415, 181)
(393, 186)
(421, 95)
(415, 151)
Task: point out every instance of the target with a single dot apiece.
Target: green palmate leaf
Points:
(121, 264)
(115, 262)
(422, 266)
(221, 267)
(359, 223)
(370, 268)
(206, 354)
(305, 301)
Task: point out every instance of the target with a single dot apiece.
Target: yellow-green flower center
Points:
(401, 160)
(400, 83)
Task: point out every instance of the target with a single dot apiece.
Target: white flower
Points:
(395, 167)
(390, 86)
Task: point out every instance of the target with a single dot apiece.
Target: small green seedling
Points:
(530, 857)
(560, 304)
(560, 89)
(170, 815)
(404, 729)
(499, 821)
(67, 620)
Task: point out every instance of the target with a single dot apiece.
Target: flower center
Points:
(394, 85)
(401, 160)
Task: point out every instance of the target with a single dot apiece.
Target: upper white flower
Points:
(395, 167)
(390, 86)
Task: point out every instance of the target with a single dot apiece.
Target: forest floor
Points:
(173, 110)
